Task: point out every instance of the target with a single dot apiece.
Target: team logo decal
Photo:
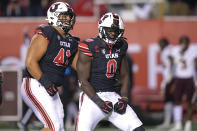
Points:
(117, 50)
(70, 39)
(96, 48)
(54, 7)
(103, 51)
(116, 20)
(101, 21)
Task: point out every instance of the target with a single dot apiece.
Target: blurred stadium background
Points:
(145, 21)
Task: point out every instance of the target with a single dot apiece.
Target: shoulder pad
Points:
(123, 39)
(75, 37)
(45, 30)
(84, 48)
(122, 44)
(42, 26)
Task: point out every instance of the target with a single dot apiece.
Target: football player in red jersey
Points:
(103, 76)
(51, 50)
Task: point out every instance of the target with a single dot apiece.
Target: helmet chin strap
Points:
(64, 28)
(109, 42)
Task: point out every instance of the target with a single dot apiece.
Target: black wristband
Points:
(98, 100)
(45, 81)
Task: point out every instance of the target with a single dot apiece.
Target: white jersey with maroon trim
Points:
(184, 63)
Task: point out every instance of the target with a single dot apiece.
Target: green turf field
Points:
(12, 126)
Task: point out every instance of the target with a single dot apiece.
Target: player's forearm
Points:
(88, 89)
(124, 77)
(74, 62)
(124, 92)
(125, 86)
(105, 106)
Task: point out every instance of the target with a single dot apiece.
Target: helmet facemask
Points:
(64, 22)
(111, 35)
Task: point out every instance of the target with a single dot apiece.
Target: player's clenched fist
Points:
(106, 106)
(121, 105)
(52, 90)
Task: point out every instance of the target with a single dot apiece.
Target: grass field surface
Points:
(12, 126)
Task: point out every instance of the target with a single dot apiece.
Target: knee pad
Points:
(141, 128)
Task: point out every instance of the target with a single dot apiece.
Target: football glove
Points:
(121, 105)
(105, 106)
(48, 85)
